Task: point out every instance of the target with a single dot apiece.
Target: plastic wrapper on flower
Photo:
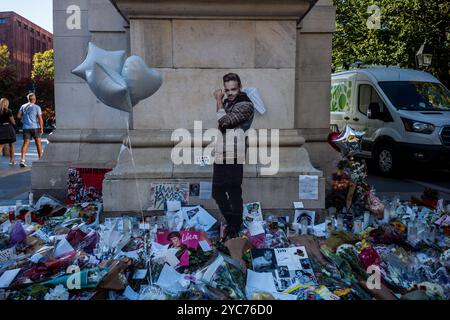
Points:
(258, 241)
(203, 291)
(262, 296)
(151, 292)
(397, 272)
(82, 241)
(349, 253)
(374, 204)
(46, 269)
(18, 234)
(58, 293)
(226, 275)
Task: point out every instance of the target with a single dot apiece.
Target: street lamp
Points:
(424, 56)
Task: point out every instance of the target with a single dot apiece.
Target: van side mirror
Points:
(373, 111)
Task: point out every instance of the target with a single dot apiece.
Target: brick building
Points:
(24, 39)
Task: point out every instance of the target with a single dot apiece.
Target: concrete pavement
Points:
(15, 182)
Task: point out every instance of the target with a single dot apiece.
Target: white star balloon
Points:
(111, 59)
(117, 82)
(109, 87)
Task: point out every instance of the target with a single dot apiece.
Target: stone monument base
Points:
(85, 148)
(126, 189)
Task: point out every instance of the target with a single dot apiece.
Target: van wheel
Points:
(385, 159)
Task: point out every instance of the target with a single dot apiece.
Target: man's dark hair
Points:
(173, 234)
(232, 77)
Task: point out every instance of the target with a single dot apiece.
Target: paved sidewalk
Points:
(15, 182)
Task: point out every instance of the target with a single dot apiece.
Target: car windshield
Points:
(417, 96)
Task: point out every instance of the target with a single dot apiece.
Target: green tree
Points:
(7, 73)
(405, 25)
(43, 67)
(4, 56)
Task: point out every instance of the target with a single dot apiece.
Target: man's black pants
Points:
(227, 191)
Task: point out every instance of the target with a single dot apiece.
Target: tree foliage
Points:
(42, 83)
(4, 56)
(405, 25)
(43, 67)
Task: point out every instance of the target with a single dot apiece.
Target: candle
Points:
(295, 227)
(357, 226)
(366, 219)
(304, 226)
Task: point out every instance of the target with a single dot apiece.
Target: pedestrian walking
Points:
(7, 129)
(33, 126)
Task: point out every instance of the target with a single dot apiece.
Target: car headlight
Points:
(417, 126)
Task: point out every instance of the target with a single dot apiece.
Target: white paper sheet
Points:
(205, 245)
(130, 294)
(63, 248)
(5, 226)
(319, 230)
(173, 205)
(259, 282)
(170, 257)
(205, 190)
(175, 220)
(255, 228)
(170, 279)
(308, 187)
(8, 277)
(284, 296)
(298, 205)
(130, 254)
(201, 219)
(140, 274)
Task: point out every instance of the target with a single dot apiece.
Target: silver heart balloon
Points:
(141, 80)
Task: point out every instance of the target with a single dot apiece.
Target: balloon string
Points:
(134, 168)
(146, 248)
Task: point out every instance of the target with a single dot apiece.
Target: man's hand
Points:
(219, 94)
(41, 131)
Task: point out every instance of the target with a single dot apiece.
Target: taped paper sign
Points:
(160, 192)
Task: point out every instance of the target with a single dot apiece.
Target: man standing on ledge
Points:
(33, 126)
(235, 112)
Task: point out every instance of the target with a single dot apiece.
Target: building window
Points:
(19, 24)
(3, 21)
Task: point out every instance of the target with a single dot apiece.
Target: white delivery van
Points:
(405, 114)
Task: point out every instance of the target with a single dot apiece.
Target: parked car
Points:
(405, 114)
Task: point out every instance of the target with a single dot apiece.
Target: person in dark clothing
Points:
(235, 112)
(7, 129)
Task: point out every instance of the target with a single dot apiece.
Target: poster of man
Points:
(264, 260)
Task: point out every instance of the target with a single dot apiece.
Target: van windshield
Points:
(417, 96)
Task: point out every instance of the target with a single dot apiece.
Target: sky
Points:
(39, 12)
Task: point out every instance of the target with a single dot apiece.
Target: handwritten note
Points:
(308, 187)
